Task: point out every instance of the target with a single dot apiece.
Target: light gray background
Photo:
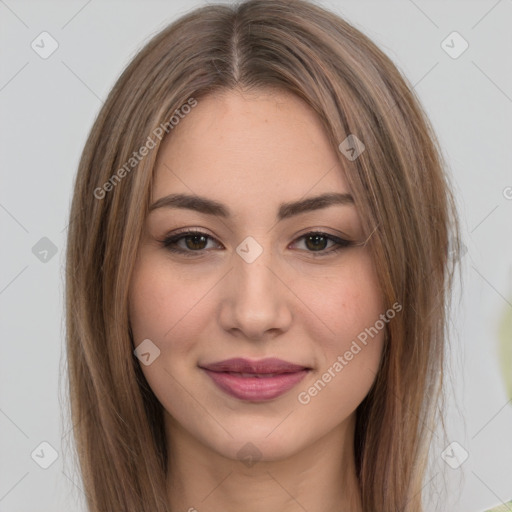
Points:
(47, 108)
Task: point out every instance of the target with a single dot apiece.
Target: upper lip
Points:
(241, 365)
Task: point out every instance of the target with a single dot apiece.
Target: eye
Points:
(317, 242)
(193, 242)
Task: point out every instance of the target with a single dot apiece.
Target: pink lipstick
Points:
(255, 381)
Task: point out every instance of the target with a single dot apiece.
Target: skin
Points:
(252, 152)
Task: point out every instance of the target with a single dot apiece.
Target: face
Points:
(268, 274)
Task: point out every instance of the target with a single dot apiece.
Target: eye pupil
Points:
(315, 239)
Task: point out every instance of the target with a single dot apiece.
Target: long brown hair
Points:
(403, 198)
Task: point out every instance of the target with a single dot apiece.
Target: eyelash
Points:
(170, 241)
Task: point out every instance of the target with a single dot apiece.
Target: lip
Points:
(272, 377)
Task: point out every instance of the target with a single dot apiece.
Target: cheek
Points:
(342, 303)
(344, 322)
(168, 309)
(174, 309)
(163, 300)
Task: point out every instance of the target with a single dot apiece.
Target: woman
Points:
(259, 262)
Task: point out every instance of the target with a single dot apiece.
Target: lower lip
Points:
(256, 389)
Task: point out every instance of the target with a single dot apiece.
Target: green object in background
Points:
(505, 507)
(505, 348)
(505, 361)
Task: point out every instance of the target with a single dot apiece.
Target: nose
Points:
(255, 300)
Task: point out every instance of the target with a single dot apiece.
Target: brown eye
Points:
(188, 242)
(318, 243)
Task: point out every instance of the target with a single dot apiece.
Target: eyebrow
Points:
(286, 210)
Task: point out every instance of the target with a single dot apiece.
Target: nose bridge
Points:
(256, 278)
(256, 300)
(256, 282)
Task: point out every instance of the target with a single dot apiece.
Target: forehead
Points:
(260, 146)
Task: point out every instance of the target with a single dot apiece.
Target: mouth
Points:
(255, 381)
